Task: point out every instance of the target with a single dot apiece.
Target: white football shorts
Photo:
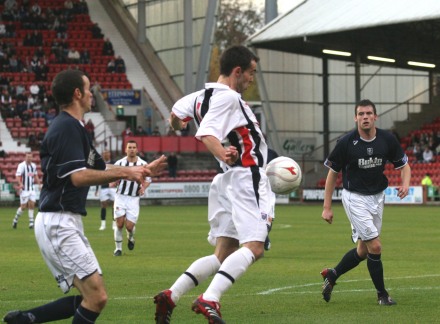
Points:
(65, 249)
(364, 213)
(27, 195)
(106, 194)
(128, 206)
(233, 210)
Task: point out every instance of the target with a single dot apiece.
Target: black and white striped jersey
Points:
(27, 173)
(127, 187)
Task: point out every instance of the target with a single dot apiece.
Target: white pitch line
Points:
(275, 290)
(270, 291)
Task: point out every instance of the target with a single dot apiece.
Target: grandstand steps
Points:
(8, 144)
(135, 72)
(415, 121)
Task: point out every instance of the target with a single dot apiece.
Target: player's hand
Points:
(154, 168)
(402, 191)
(231, 155)
(327, 215)
(137, 173)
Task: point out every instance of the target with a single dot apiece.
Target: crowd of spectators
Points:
(426, 146)
(31, 99)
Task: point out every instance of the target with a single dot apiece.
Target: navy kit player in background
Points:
(71, 165)
(361, 156)
(26, 176)
(238, 202)
(126, 207)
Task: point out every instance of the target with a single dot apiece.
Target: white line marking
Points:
(270, 291)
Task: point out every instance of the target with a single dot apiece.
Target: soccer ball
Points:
(284, 175)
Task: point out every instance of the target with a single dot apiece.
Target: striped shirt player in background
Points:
(238, 201)
(361, 156)
(26, 176)
(106, 193)
(127, 199)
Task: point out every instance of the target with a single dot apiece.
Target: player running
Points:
(26, 176)
(361, 156)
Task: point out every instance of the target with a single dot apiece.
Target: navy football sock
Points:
(59, 309)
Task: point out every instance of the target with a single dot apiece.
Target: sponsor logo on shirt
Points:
(369, 163)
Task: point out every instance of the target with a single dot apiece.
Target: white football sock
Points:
(18, 214)
(200, 269)
(118, 238)
(31, 216)
(234, 266)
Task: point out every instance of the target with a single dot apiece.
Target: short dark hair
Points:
(364, 103)
(64, 85)
(131, 142)
(234, 56)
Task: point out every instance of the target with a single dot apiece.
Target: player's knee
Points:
(100, 300)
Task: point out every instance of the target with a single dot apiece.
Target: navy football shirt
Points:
(363, 162)
(65, 149)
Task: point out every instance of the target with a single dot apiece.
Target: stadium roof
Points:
(403, 30)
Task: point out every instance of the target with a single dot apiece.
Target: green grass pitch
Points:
(283, 287)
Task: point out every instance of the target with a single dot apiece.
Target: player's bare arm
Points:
(176, 123)
(90, 177)
(330, 183)
(405, 174)
(228, 155)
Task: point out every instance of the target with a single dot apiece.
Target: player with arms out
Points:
(361, 156)
(26, 175)
(70, 166)
(238, 202)
(126, 207)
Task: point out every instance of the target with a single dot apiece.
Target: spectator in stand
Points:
(34, 63)
(10, 6)
(111, 66)
(85, 57)
(40, 136)
(127, 132)
(28, 41)
(140, 131)
(14, 64)
(6, 104)
(51, 114)
(36, 110)
(36, 9)
(172, 164)
(32, 142)
(45, 106)
(20, 108)
(39, 52)
(418, 152)
(81, 7)
(428, 155)
(4, 63)
(73, 56)
(96, 31)
(68, 8)
(37, 38)
(119, 65)
(156, 131)
(107, 48)
(41, 72)
(34, 90)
